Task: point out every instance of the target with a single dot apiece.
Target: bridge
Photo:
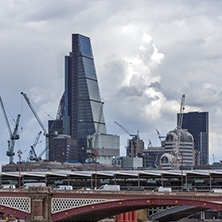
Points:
(45, 204)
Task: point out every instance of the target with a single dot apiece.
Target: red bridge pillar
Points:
(134, 216)
(125, 217)
(130, 216)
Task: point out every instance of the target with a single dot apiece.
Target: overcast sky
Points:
(147, 54)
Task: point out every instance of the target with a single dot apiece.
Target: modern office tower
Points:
(80, 107)
(197, 123)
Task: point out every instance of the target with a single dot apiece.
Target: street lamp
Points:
(96, 153)
(181, 171)
(19, 155)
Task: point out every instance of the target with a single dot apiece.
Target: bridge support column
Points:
(40, 204)
(120, 218)
(130, 216)
(134, 216)
(125, 217)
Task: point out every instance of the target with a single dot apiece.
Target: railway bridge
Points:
(45, 204)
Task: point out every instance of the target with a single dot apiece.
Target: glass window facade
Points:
(81, 106)
(197, 123)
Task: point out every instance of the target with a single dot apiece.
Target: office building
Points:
(80, 108)
(151, 156)
(106, 147)
(135, 147)
(62, 144)
(179, 151)
(197, 123)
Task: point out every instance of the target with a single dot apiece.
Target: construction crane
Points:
(13, 135)
(159, 136)
(32, 154)
(213, 157)
(179, 129)
(180, 119)
(40, 123)
(91, 150)
(149, 144)
(134, 137)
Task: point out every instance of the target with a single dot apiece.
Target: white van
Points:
(27, 185)
(216, 191)
(7, 186)
(110, 187)
(63, 187)
(164, 189)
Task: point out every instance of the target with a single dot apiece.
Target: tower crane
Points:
(213, 157)
(179, 129)
(91, 150)
(32, 154)
(13, 135)
(159, 136)
(45, 133)
(180, 119)
(135, 138)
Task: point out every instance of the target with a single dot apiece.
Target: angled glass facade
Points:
(81, 106)
(197, 123)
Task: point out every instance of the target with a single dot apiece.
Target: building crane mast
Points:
(91, 150)
(135, 138)
(179, 129)
(159, 136)
(13, 135)
(39, 121)
(32, 154)
(213, 158)
(180, 120)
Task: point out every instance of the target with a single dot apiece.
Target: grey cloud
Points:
(126, 92)
(156, 85)
(36, 35)
(203, 96)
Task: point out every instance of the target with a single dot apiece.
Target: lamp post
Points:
(181, 170)
(96, 153)
(19, 155)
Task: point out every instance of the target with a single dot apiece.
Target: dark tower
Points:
(197, 123)
(80, 106)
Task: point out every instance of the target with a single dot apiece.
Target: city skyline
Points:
(147, 54)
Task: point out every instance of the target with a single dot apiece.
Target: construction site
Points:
(78, 134)
(176, 150)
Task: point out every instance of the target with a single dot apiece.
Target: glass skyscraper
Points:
(197, 123)
(81, 108)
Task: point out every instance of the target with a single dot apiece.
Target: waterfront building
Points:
(197, 123)
(80, 107)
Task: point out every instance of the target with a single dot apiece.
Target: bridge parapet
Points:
(41, 203)
(44, 204)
